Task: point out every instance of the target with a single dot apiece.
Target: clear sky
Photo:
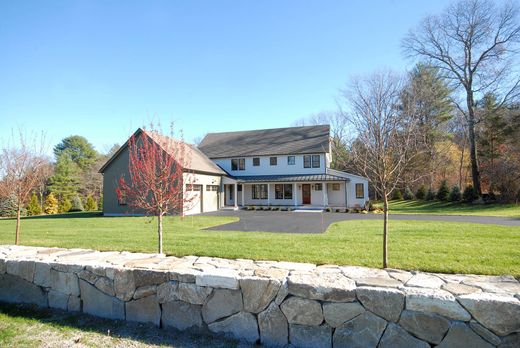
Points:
(103, 68)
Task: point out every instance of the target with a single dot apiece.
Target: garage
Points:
(210, 198)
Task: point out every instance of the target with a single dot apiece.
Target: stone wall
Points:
(275, 303)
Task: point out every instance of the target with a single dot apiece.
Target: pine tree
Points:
(397, 195)
(91, 204)
(430, 196)
(100, 205)
(64, 182)
(34, 208)
(444, 191)
(77, 204)
(455, 194)
(64, 206)
(470, 194)
(421, 192)
(7, 206)
(51, 204)
(408, 194)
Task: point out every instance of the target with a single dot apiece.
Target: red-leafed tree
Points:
(22, 165)
(158, 173)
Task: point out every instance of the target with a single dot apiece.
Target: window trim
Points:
(313, 157)
(257, 161)
(283, 192)
(257, 191)
(362, 185)
(305, 159)
(316, 185)
(336, 186)
(273, 163)
(238, 164)
(289, 160)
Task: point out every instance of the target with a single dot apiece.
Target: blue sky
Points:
(103, 68)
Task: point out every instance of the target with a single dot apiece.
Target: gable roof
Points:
(195, 159)
(264, 142)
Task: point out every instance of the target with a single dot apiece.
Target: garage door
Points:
(211, 198)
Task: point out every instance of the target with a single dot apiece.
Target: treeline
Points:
(69, 182)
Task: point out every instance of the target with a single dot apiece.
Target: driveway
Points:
(310, 222)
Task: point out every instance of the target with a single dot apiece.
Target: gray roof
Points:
(265, 142)
(289, 178)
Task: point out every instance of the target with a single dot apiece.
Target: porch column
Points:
(235, 194)
(295, 194)
(325, 195)
(243, 189)
(268, 194)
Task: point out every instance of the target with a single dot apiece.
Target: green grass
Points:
(425, 245)
(28, 326)
(448, 208)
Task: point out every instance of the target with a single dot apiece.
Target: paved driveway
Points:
(310, 222)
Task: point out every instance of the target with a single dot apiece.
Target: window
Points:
(335, 187)
(259, 191)
(283, 191)
(291, 160)
(273, 161)
(238, 164)
(121, 199)
(193, 187)
(212, 187)
(256, 161)
(360, 191)
(239, 188)
(318, 187)
(315, 161)
(306, 161)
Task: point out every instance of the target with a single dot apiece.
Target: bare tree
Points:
(474, 44)
(385, 138)
(21, 169)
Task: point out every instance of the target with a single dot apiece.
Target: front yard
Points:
(449, 208)
(428, 246)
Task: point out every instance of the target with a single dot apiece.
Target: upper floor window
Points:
(360, 190)
(291, 160)
(238, 164)
(311, 161)
(256, 161)
(273, 161)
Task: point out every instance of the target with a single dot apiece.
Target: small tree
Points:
(444, 191)
(421, 192)
(64, 206)
(408, 194)
(76, 204)
(91, 204)
(455, 194)
(34, 208)
(158, 173)
(470, 194)
(397, 195)
(8, 206)
(51, 204)
(430, 196)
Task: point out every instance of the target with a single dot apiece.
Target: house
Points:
(269, 167)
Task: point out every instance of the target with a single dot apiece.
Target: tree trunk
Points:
(160, 232)
(385, 231)
(18, 214)
(475, 175)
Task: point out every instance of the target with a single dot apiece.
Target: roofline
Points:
(268, 129)
(114, 156)
(271, 154)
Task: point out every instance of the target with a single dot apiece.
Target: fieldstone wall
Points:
(275, 303)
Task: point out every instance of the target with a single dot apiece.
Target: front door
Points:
(306, 193)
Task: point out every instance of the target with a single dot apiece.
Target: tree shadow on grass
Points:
(148, 334)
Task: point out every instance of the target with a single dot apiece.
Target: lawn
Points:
(428, 246)
(449, 208)
(28, 326)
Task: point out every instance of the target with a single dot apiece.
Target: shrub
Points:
(408, 194)
(398, 195)
(100, 205)
(34, 208)
(64, 206)
(455, 194)
(430, 196)
(77, 204)
(444, 191)
(276, 208)
(51, 204)
(347, 210)
(470, 194)
(421, 192)
(328, 210)
(91, 204)
(8, 206)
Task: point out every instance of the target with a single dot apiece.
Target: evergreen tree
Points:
(65, 205)
(430, 196)
(470, 194)
(91, 204)
(7, 206)
(77, 204)
(408, 194)
(421, 192)
(78, 150)
(100, 205)
(51, 204)
(455, 194)
(397, 195)
(444, 191)
(64, 182)
(34, 208)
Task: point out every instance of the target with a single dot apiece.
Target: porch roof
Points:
(289, 178)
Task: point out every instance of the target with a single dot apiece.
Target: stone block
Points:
(385, 302)
(192, 293)
(58, 300)
(435, 301)
(143, 277)
(273, 327)
(396, 337)
(326, 287)
(21, 268)
(385, 282)
(42, 274)
(145, 291)
(283, 292)
(310, 336)
(181, 315)
(100, 304)
(222, 303)
(242, 326)
(485, 333)
(257, 293)
(65, 282)
(74, 304)
(124, 284)
(88, 276)
(338, 313)
(144, 310)
(302, 311)
(365, 330)
(167, 292)
(106, 285)
(185, 275)
(218, 278)
(423, 280)
(460, 335)
(14, 289)
(458, 289)
(426, 326)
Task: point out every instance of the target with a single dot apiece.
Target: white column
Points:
(268, 194)
(243, 189)
(295, 194)
(325, 195)
(235, 194)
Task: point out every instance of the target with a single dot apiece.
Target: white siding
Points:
(336, 198)
(208, 198)
(282, 168)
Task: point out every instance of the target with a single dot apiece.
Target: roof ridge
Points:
(268, 129)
